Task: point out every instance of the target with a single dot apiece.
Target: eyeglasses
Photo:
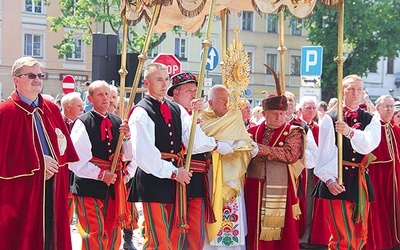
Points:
(310, 108)
(32, 76)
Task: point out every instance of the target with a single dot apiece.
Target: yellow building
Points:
(24, 31)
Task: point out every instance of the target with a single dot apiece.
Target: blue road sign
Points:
(311, 60)
(212, 58)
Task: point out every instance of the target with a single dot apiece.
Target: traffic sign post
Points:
(169, 60)
(68, 84)
(311, 66)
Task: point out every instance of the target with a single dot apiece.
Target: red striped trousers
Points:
(96, 219)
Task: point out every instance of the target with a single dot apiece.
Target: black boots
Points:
(128, 245)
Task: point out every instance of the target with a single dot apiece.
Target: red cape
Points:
(384, 215)
(22, 175)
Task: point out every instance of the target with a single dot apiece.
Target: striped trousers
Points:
(345, 233)
(96, 225)
(162, 233)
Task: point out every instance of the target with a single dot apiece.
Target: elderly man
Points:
(348, 203)
(72, 107)
(384, 173)
(273, 173)
(314, 213)
(228, 170)
(35, 151)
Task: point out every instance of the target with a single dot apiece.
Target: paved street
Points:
(137, 237)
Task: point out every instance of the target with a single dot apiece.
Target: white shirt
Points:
(147, 155)
(363, 142)
(84, 168)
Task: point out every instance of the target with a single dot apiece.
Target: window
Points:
(247, 20)
(272, 23)
(390, 65)
(295, 65)
(272, 62)
(34, 6)
(180, 48)
(76, 53)
(33, 45)
(153, 52)
(295, 29)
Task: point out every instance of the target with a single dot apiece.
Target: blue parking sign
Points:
(311, 60)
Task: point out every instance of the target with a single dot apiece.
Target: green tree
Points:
(371, 31)
(81, 16)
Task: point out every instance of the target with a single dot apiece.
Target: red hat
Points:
(180, 79)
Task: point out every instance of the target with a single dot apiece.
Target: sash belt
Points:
(197, 166)
(362, 206)
(123, 216)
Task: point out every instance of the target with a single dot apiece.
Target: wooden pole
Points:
(340, 60)
(206, 45)
(142, 58)
(282, 49)
(224, 36)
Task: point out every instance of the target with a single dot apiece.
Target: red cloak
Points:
(22, 175)
(384, 215)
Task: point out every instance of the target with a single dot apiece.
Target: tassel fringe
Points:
(270, 234)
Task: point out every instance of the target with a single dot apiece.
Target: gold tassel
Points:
(274, 221)
(228, 193)
(270, 234)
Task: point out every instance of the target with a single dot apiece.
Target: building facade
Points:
(25, 31)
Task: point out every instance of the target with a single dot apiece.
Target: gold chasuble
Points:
(230, 167)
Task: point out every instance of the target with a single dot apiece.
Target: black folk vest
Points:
(100, 149)
(168, 138)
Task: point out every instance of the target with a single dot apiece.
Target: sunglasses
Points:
(32, 76)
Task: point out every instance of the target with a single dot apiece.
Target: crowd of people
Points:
(261, 178)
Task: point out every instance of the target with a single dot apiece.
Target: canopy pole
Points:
(282, 49)
(340, 61)
(142, 58)
(224, 35)
(206, 45)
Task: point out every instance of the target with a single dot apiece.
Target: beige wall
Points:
(14, 23)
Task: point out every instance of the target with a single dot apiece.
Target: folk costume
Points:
(158, 135)
(95, 138)
(348, 211)
(273, 176)
(199, 208)
(22, 178)
(383, 224)
(230, 227)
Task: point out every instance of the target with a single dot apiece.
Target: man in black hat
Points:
(183, 91)
(273, 173)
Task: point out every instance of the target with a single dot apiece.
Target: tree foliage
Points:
(79, 17)
(371, 31)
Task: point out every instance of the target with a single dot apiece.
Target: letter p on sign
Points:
(311, 60)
